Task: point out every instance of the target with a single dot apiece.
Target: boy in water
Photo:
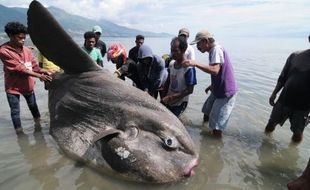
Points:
(20, 66)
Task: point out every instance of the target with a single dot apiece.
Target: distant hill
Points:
(73, 23)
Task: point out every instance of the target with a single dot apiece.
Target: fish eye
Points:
(170, 143)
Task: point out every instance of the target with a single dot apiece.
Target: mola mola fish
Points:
(104, 122)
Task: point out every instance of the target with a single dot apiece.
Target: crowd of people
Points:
(172, 77)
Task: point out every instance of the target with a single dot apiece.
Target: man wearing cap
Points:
(219, 105)
(99, 44)
(293, 102)
(189, 53)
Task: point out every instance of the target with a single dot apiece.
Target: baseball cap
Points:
(203, 34)
(97, 29)
(184, 31)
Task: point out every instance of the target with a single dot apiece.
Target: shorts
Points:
(177, 110)
(297, 118)
(218, 110)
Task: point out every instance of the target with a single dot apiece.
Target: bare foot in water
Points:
(217, 133)
(270, 128)
(297, 137)
(19, 131)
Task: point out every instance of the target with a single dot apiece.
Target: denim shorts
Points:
(218, 110)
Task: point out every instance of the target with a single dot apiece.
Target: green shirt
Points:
(95, 55)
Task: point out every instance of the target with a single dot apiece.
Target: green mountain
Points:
(72, 23)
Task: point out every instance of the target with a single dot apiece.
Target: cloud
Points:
(225, 17)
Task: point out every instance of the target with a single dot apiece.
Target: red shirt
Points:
(15, 65)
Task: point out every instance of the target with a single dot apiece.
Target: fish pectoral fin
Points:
(111, 132)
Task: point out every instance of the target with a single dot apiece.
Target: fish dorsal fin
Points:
(54, 43)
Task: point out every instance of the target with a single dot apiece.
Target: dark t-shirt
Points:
(103, 48)
(133, 54)
(295, 77)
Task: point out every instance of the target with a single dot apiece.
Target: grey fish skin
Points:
(106, 123)
(115, 127)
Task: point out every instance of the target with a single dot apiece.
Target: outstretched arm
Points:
(213, 69)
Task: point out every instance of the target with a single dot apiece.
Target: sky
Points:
(221, 17)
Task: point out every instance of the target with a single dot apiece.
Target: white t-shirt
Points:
(190, 53)
(216, 55)
(177, 82)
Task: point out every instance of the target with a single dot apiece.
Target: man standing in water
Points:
(294, 100)
(20, 66)
(181, 79)
(220, 103)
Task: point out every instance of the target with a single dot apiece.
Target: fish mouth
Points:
(189, 170)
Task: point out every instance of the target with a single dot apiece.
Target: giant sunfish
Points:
(104, 122)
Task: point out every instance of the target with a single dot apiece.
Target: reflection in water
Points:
(90, 179)
(277, 165)
(37, 155)
(211, 163)
(214, 160)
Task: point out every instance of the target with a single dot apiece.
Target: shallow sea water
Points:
(244, 159)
